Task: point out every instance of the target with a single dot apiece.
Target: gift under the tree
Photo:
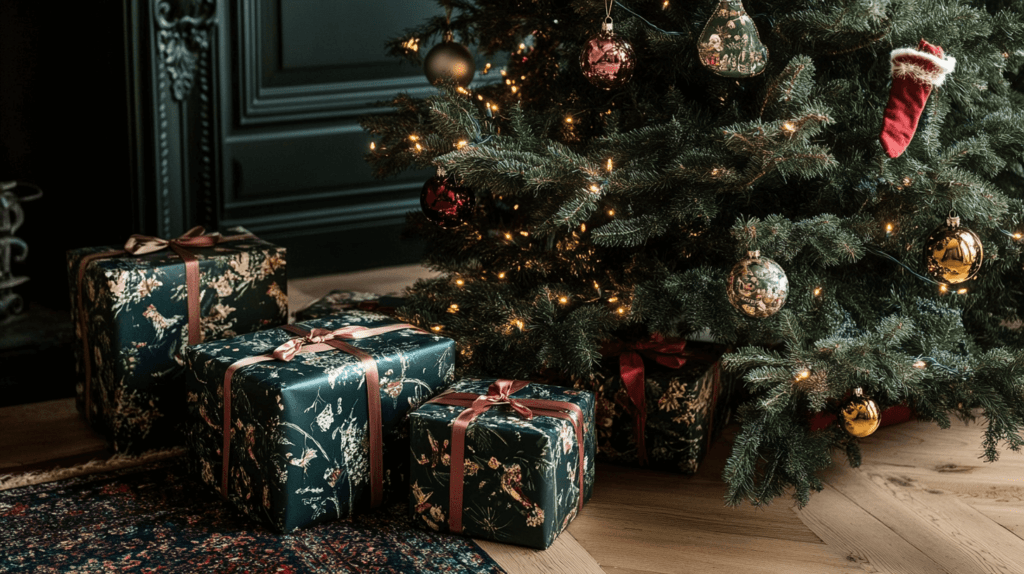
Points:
(136, 308)
(316, 414)
(665, 414)
(340, 300)
(504, 460)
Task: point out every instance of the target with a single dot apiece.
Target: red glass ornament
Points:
(445, 202)
(607, 60)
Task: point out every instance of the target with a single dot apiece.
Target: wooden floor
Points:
(921, 503)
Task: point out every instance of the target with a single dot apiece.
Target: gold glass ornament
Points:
(953, 253)
(861, 415)
(757, 286)
(449, 59)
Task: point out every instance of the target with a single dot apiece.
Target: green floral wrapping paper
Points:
(340, 300)
(685, 413)
(521, 482)
(138, 328)
(299, 429)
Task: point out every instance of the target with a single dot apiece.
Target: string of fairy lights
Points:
(617, 306)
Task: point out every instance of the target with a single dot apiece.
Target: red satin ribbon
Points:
(499, 393)
(141, 245)
(316, 341)
(670, 353)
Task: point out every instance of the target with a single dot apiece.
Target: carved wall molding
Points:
(183, 38)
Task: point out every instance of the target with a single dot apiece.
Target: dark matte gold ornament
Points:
(607, 60)
(861, 415)
(449, 59)
(953, 253)
(757, 286)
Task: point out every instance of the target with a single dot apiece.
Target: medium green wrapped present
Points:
(503, 460)
(135, 309)
(663, 415)
(316, 414)
(341, 300)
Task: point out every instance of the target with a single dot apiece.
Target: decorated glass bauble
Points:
(445, 202)
(607, 60)
(757, 286)
(449, 59)
(953, 253)
(861, 415)
(729, 45)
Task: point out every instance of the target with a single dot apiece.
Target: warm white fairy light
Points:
(611, 213)
(419, 147)
(461, 144)
(1017, 235)
(501, 275)
(609, 166)
(583, 227)
(563, 300)
(942, 288)
(462, 90)
(373, 146)
(460, 282)
(920, 364)
(594, 188)
(817, 291)
(508, 236)
(568, 119)
(961, 291)
(453, 308)
(789, 127)
(803, 374)
(621, 310)
(437, 328)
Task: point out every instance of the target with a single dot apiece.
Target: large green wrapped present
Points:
(316, 414)
(341, 300)
(503, 460)
(135, 309)
(664, 414)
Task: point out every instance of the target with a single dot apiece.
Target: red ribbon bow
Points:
(499, 393)
(315, 341)
(668, 352)
(141, 245)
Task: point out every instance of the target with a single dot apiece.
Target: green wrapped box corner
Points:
(137, 329)
(521, 481)
(299, 451)
(342, 300)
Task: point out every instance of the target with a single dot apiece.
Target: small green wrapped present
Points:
(502, 460)
(663, 415)
(135, 309)
(316, 414)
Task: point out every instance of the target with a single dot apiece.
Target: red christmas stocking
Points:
(914, 74)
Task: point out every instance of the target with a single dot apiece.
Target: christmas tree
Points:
(718, 168)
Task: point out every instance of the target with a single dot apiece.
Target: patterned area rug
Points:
(155, 518)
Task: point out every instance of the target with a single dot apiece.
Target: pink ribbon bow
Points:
(499, 393)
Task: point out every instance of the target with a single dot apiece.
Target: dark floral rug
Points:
(155, 518)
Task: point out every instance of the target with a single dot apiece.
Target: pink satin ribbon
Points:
(316, 341)
(499, 393)
(141, 245)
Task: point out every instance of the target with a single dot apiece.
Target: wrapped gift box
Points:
(133, 321)
(340, 300)
(686, 408)
(521, 477)
(299, 448)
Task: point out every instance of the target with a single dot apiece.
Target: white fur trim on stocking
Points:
(911, 66)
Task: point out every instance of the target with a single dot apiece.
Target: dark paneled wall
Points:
(263, 132)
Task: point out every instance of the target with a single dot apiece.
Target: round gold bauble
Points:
(757, 286)
(953, 253)
(861, 415)
(449, 59)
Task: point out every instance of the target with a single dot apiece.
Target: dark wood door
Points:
(247, 114)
